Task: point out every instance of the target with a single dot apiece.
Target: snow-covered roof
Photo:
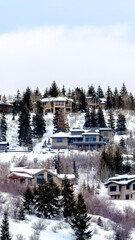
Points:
(102, 100)
(52, 99)
(124, 179)
(23, 175)
(105, 129)
(77, 130)
(121, 177)
(91, 133)
(68, 176)
(26, 170)
(61, 134)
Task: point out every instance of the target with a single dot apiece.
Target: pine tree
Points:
(63, 90)
(25, 133)
(87, 123)
(80, 222)
(3, 128)
(28, 200)
(100, 93)
(109, 99)
(5, 228)
(26, 100)
(38, 122)
(53, 91)
(121, 124)
(67, 201)
(75, 172)
(80, 99)
(111, 120)
(60, 122)
(93, 118)
(46, 199)
(21, 215)
(91, 91)
(46, 93)
(118, 161)
(17, 103)
(100, 118)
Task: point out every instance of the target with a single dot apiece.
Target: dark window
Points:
(131, 195)
(112, 188)
(127, 196)
(40, 178)
(49, 177)
(22, 180)
(119, 188)
(127, 187)
(133, 186)
(59, 140)
(90, 139)
(106, 134)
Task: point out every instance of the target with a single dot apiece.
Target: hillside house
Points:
(83, 139)
(32, 177)
(94, 102)
(51, 104)
(121, 187)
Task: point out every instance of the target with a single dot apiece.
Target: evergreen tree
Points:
(93, 118)
(75, 172)
(26, 100)
(67, 202)
(17, 103)
(118, 161)
(121, 124)
(47, 199)
(91, 91)
(38, 122)
(111, 120)
(3, 128)
(53, 91)
(109, 99)
(63, 90)
(80, 99)
(87, 123)
(100, 118)
(25, 133)
(5, 228)
(46, 93)
(80, 222)
(28, 200)
(100, 93)
(60, 122)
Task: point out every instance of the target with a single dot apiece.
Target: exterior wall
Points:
(63, 144)
(110, 136)
(47, 107)
(122, 191)
(53, 106)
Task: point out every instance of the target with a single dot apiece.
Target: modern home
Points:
(77, 138)
(52, 104)
(121, 187)
(94, 102)
(32, 177)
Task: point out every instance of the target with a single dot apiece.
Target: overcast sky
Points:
(74, 42)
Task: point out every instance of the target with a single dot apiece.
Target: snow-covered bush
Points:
(40, 225)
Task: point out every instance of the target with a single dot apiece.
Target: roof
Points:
(105, 129)
(55, 99)
(91, 133)
(121, 179)
(61, 134)
(23, 175)
(26, 170)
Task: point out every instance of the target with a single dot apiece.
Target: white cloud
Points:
(73, 57)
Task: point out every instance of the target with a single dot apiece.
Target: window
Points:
(133, 186)
(49, 177)
(112, 188)
(127, 197)
(30, 181)
(59, 103)
(40, 178)
(22, 180)
(106, 134)
(106, 140)
(90, 139)
(59, 140)
(128, 187)
(119, 188)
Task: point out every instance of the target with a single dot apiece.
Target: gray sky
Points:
(75, 43)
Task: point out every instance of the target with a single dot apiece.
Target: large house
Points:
(83, 139)
(121, 187)
(32, 177)
(53, 104)
(94, 102)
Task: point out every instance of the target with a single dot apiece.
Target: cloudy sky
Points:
(74, 42)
